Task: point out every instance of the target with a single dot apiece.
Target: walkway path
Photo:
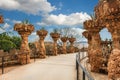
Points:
(61, 67)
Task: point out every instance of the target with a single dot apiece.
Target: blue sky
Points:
(48, 13)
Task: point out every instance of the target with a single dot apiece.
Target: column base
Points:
(114, 65)
(72, 50)
(41, 55)
(23, 58)
(64, 52)
(54, 52)
(95, 60)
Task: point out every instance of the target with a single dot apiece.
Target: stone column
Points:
(96, 51)
(64, 40)
(88, 36)
(42, 51)
(24, 30)
(71, 40)
(114, 59)
(55, 37)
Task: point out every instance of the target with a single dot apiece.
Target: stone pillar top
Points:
(92, 25)
(42, 32)
(72, 39)
(23, 28)
(85, 33)
(64, 39)
(55, 36)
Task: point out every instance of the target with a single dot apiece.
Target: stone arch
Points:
(105, 34)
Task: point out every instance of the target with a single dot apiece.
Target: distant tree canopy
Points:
(8, 42)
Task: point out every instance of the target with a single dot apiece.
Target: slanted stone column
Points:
(72, 40)
(24, 30)
(114, 59)
(88, 36)
(64, 40)
(42, 51)
(55, 37)
(96, 51)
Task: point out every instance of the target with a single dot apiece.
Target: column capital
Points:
(42, 34)
(55, 36)
(64, 39)
(71, 40)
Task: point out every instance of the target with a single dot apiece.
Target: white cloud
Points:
(6, 25)
(16, 21)
(9, 4)
(28, 6)
(7, 19)
(33, 34)
(13, 21)
(41, 24)
(2, 30)
(78, 31)
(73, 19)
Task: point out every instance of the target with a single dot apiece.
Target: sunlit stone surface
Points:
(42, 51)
(24, 30)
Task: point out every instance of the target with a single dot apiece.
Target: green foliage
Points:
(8, 42)
(92, 16)
(26, 21)
(71, 36)
(17, 41)
(6, 45)
(32, 45)
(55, 30)
(4, 36)
(42, 28)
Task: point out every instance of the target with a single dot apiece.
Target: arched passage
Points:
(105, 34)
(106, 41)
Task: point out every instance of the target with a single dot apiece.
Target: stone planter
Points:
(55, 37)
(24, 30)
(64, 40)
(42, 51)
(71, 49)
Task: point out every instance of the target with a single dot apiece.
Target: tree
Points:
(5, 36)
(69, 32)
(17, 41)
(12, 41)
(6, 45)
